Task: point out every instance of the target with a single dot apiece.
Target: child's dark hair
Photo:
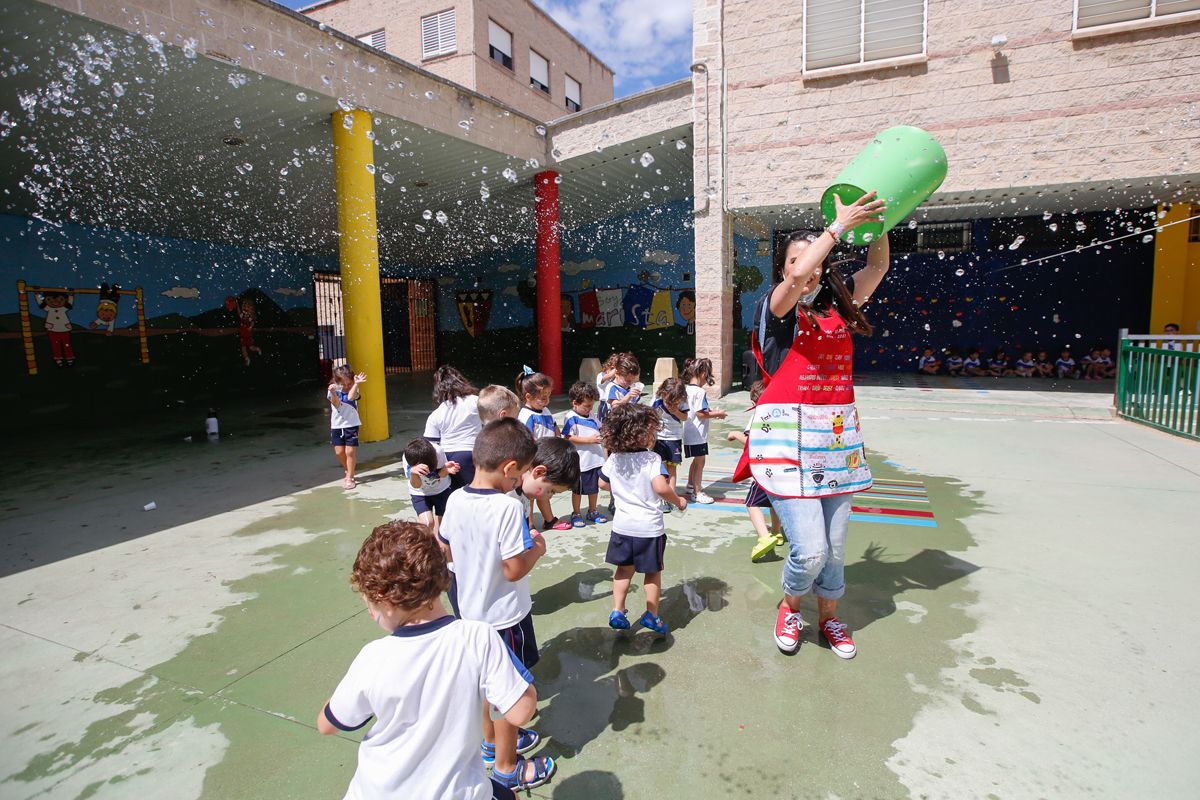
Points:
(450, 384)
(627, 427)
(673, 391)
(624, 364)
(421, 451)
(756, 390)
(503, 440)
(532, 383)
(686, 294)
(561, 460)
(582, 391)
(400, 563)
(344, 371)
(701, 368)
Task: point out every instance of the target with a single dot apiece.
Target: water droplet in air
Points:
(1053, 226)
(441, 217)
(912, 224)
(957, 323)
(302, 97)
(1149, 237)
(941, 255)
(118, 90)
(371, 168)
(510, 174)
(960, 272)
(484, 193)
(420, 228)
(541, 130)
(494, 238)
(430, 95)
(387, 177)
(646, 159)
(681, 145)
(427, 214)
(1079, 225)
(466, 126)
(1017, 242)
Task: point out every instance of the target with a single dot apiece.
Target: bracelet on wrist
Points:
(836, 229)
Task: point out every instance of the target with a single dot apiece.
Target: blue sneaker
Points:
(526, 741)
(651, 622)
(619, 621)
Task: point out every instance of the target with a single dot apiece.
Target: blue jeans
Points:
(815, 528)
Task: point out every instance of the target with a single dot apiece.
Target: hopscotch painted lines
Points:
(891, 501)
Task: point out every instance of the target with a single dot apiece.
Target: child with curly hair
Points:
(426, 682)
(635, 475)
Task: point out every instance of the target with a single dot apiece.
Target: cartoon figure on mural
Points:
(246, 319)
(58, 325)
(686, 306)
(106, 308)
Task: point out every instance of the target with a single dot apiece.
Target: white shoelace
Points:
(791, 623)
(835, 630)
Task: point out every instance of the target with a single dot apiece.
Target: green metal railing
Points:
(1158, 383)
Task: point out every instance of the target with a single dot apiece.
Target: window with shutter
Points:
(500, 45)
(438, 36)
(573, 94)
(1090, 13)
(539, 72)
(843, 32)
(375, 39)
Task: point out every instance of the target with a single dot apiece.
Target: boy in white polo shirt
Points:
(488, 537)
(637, 479)
(426, 683)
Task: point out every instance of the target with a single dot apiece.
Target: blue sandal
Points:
(577, 521)
(596, 517)
(526, 741)
(543, 768)
(654, 623)
(618, 621)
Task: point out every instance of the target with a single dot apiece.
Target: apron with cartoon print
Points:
(805, 439)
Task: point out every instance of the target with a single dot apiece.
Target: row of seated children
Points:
(1094, 365)
(436, 677)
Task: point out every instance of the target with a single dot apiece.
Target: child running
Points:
(344, 422)
(428, 473)
(637, 479)
(488, 538)
(454, 423)
(582, 429)
(670, 403)
(425, 683)
(624, 387)
(534, 389)
(757, 499)
(698, 375)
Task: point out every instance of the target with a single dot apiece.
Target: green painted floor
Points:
(1021, 590)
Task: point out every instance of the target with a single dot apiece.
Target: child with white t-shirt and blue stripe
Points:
(635, 475)
(582, 429)
(624, 386)
(426, 683)
(428, 473)
(670, 403)
(533, 388)
(698, 375)
(488, 538)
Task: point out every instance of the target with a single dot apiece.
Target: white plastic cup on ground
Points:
(150, 506)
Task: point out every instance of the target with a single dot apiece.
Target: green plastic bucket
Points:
(904, 164)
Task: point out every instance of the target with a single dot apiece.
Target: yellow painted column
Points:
(1170, 270)
(358, 250)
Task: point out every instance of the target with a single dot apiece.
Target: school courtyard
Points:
(1021, 588)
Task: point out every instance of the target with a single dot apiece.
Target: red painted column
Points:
(549, 302)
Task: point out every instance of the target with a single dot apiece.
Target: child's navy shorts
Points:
(466, 468)
(645, 554)
(671, 450)
(344, 437)
(589, 482)
(522, 642)
(757, 497)
(435, 503)
(695, 450)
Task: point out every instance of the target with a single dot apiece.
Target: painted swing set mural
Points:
(58, 303)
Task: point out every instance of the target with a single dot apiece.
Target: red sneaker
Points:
(787, 629)
(834, 631)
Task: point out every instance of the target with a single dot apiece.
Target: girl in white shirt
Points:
(344, 421)
(454, 424)
(698, 374)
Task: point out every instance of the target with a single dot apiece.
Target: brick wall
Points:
(1061, 110)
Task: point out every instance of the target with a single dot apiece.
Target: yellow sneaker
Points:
(780, 540)
(763, 548)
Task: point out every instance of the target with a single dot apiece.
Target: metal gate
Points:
(409, 323)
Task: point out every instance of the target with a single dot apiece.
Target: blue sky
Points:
(646, 42)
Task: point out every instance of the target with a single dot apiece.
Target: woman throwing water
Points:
(805, 444)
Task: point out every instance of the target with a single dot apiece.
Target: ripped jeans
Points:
(815, 528)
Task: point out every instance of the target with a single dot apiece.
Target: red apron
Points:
(805, 439)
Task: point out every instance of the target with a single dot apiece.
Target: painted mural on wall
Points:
(626, 283)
